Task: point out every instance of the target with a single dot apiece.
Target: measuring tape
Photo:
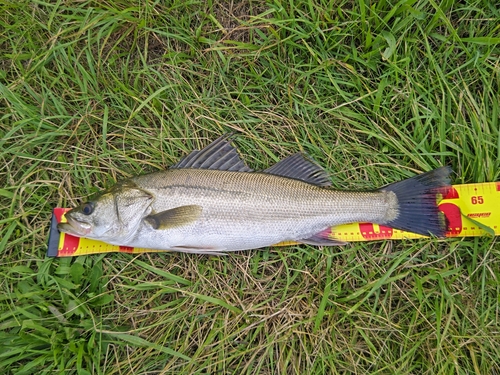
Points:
(469, 209)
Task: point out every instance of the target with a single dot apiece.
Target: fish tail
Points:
(417, 203)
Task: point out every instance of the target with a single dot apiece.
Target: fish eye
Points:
(88, 208)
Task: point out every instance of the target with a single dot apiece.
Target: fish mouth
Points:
(74, 227)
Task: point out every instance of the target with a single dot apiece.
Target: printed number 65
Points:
(477, 199)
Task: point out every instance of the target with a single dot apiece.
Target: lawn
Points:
(95, 91)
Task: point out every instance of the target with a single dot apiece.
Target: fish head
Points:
(112, 216)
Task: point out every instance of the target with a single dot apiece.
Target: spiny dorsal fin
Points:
(174, 217)
(218, 155)
(300, 167)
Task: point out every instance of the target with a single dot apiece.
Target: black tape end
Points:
(54, 235)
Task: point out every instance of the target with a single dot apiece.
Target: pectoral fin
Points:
(174, 217)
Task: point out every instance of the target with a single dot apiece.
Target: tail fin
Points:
(418, 206)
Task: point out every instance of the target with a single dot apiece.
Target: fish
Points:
(211, 202)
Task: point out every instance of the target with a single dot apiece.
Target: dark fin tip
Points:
(418, 203)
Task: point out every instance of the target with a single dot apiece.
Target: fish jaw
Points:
(74, 227)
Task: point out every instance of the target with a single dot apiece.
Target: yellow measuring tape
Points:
(471, 210)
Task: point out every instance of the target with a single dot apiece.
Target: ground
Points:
(93, 92)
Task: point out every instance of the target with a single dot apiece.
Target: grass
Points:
(92, 92)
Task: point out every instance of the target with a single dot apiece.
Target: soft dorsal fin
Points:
(219, 154)
(300, 167)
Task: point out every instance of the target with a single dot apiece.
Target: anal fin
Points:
(322, 239)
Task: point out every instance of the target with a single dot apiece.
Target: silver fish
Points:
(211, 202)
